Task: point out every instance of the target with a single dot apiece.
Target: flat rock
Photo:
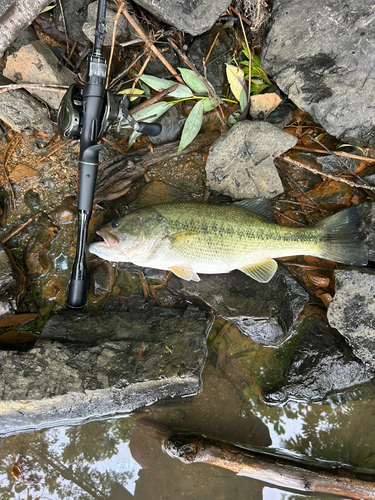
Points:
(352, 311)
(193, 17)
(172, 123)
(22, 112)
(240, 163)
(321, 54)
(123, 33)
(366, 231)
(36, 63)
(264, 311)
(7, 283)
(95, 364)
(314, 362)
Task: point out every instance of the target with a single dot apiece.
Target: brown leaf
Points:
(17, 319)
(22, 173)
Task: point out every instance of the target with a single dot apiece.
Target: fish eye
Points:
(115, 223)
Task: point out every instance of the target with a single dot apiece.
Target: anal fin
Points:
(262, 272)
(185, 272)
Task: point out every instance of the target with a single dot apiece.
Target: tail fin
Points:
(340, 231)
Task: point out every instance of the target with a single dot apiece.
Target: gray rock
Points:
(24, 38)
(240, 163)
(36, 63)
(321, 54)
(367, 229)
(282, 115)
(309, 366)
(193, 17)
(264, 311)
(352, 311)
(7, 283)
(333, 164)
(21, 111)
(6, 274)
(172, 123)
(94, 364)
(215, 71)
(75, 13)
(156, 68)
(123, 33)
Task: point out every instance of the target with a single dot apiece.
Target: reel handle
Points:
(149, 128)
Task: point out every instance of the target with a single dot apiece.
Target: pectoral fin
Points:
(185, 272)
(262, 272)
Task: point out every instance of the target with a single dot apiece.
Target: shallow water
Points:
(123, 458)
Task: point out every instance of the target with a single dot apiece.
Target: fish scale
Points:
(191, 238)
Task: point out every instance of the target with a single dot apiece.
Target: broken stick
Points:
(277, 471)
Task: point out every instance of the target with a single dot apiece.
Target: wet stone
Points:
(215, 66)
(36, 63)
(7, 284)
(100, 363)
(264, 311)
(310, 365)
(172, 123)
(366, 231)
(32, 200)
(22, 112)
(352, 311)
(193, 17)
(156, 68)
(240, 163)
(318, 52)
(123, 33)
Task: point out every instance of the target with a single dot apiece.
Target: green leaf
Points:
(192, 126)
(233, 118)
(243, 100)
(149, 115)
(236, 79)
(155, 83)
(208, 106)
(192, 81)
(49, 7)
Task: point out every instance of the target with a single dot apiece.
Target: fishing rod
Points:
(86, 112)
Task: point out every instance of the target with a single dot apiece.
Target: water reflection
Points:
(123, 458)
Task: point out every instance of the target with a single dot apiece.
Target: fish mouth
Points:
(110, 240)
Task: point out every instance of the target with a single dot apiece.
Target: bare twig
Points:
(140, 73)
(54, 151)
(126, 70)
(156, 98)
(344, 165)
(278, 471)
(33, 86)
(64, 24)
(329, 176)
(150, 44)
(119, 11)
(336, 153)
(20, 228)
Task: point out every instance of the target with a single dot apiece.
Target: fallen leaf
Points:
(17, 319)
(263, 104)
(22, 173)
(236, 79)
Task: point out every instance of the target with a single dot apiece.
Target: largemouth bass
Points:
(192, 238)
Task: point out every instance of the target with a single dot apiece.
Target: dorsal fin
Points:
(258, 206)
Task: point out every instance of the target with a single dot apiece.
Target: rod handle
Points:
(77, 298)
